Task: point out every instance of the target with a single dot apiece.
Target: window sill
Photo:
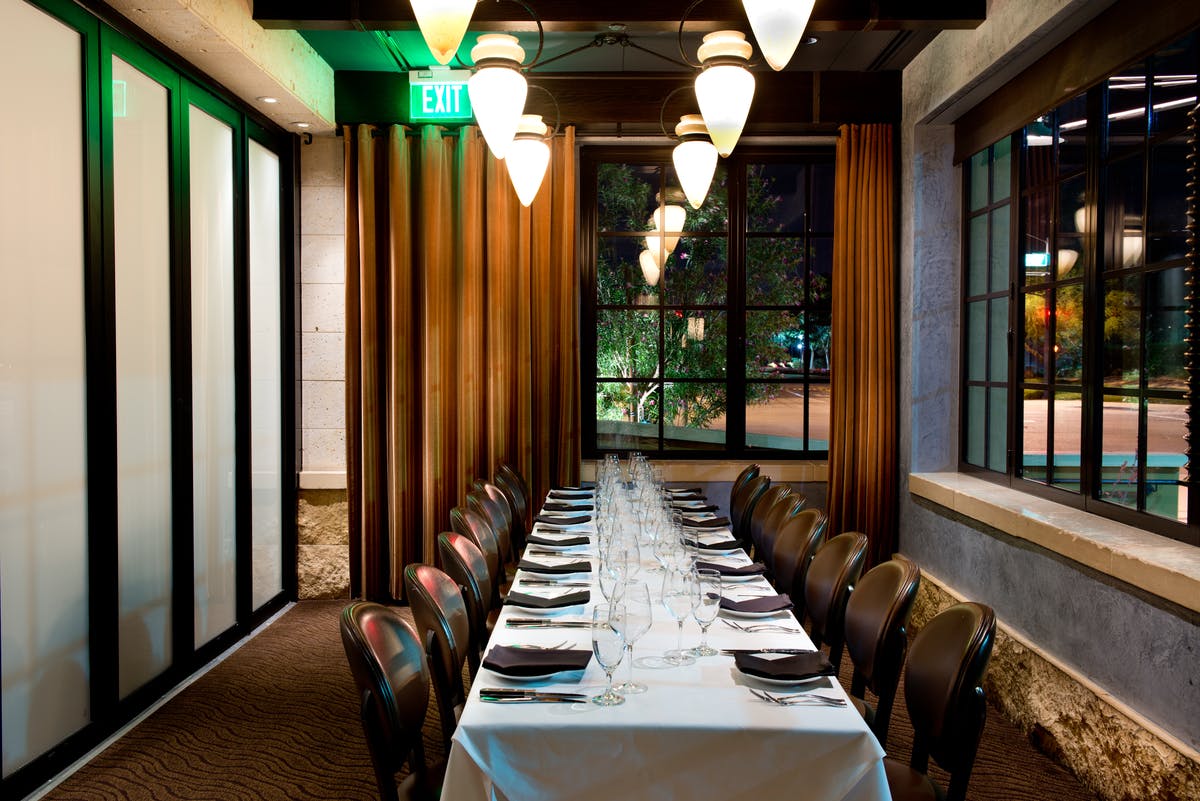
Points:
(700, 471)
(1159, 565)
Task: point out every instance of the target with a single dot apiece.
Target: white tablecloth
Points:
(697, 733)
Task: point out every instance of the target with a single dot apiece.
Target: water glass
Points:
(632, 617)
(708, 584)
(679, 597)
(609, 646)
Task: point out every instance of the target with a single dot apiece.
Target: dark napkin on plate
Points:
(708, 507)
(558, 568)
(683, 490)
(551, 506)
(556, 520)
(541, 602)
(723, 545)
(565, 488)
(796, 667)
(709, 522)
(772, 603)
(519, 662)
(752, 569)
(565, 541)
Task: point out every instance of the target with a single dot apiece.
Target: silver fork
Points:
(532, 647)
(799, 699)
(757, 627)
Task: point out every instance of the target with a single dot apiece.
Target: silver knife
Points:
(547, 624)
(548, 583)
(732, 651)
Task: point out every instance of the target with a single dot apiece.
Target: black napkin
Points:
(565, 488)
(561, 568)
(708, 507)
(708, 522)
(554, 520)
(521, 662)
(723, 545)
(551, 506)
(565, 541)
(772, 603)
(752, 569)
(794, 667)
(527, 601)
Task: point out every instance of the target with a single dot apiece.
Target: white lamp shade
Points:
(497, 91)
(1066, 261)
(443, 23)
(725, 91)
(528, 157)
(650, 269)
(778, 26)
(665, 219)
(695, 159)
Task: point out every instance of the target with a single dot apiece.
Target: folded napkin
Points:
(563, 541)
(723, 545)
(557, 568)
(565, 488)
(558, 520)
(683, 490)
(707, 522)
(772, 603)
(752, 569)
(521, 662)
(794, 667)
(688, 507)
(527, 601)
(551, 506)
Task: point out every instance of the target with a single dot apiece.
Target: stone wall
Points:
(322, 545)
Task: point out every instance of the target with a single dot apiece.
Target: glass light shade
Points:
(778, 26)
(725, 89)
(497, 89)
(1066, 261)
(528, 158)
(650, 269)
(695, 158)
(443, 23)
(660, 244)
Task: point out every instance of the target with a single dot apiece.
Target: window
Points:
(1092, 398)
(706, 331)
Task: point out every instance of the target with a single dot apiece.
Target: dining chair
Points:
(762, 509)
(518, 502)
(482, 504)
(475, 527)
(772, 525)
(742, 505)
(501, 506)
(392, 679)
(943, 690)
(831, 576)
(444, 626)
(792, 551)
(876, 626)
(464, 563)
(749, 472)
(514, 477)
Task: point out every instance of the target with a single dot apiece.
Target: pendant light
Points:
(528, 157)
(695, 158)
(443, 23)
(666, 218)
(725, 88)
(497, 89)
(778, 26)
(650, 269)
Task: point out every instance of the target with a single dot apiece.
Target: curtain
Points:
(863, 442)
(461, 343)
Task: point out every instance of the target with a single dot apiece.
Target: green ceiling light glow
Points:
(439, 96)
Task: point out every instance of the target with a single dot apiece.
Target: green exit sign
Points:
(438, 96)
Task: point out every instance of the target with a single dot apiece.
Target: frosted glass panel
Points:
(43, 475)
(141, 227)
(266, 447)
(211, 170)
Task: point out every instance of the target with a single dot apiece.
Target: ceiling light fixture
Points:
(666, 226)
(725, 89)
(695, 158)
(778, 26)
(528, 157)
(497, 89)
(443, 24)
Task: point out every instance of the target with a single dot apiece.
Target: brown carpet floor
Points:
(278, 721)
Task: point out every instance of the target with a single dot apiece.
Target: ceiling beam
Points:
(639, 15)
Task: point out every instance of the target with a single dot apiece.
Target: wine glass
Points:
(633, 619)
(610, 580)
(708, 584)
(609, 646)
(680, 598)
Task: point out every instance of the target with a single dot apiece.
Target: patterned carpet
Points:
(278, 721)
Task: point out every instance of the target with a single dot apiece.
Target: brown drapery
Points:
(863, 442)
(461, 336)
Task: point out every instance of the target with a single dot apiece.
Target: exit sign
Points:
(438, 96)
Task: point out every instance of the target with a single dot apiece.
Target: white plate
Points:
(717, 551)
(783, 682)
(753, 615)
(741, 579)
(545, 546)
(521, 611)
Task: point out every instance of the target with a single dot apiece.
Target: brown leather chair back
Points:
(478, 530)
(762, 510)
(742, 504)
(783, 511)
(518, 481)
(390, 673)
(943, 688)
(444, 626)
(749, 472)
(464, 563)
(831, 576)
(792, 551)
(483, 505)
(518, 502)
(877, 636)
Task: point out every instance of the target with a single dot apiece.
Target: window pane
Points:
(696, 273)
(1166, 458)
(775, 198)
(1119, 434)
(818, 417)
(1038, 154)
(1036, 356)
(821, 214)
(976, 425)
(1126, 196)
(1175, 84)
(1127, 108)
(621, 278)
(1072, 221)
(1122, 331)
(695, 343)
(1035, 248)
(627, 344)
(775, 272)
(1072, 135)
(1034, 416)
(999, 257)
(998, 340)
(1167, 218)
(820, 270)
(997, 429)
(775, 416)
(626, 196)
(1001, 170)
(695, 416)
(977, 340)
(977, 256)
(1068, 333)
(774, 343)
(1068, 422)
(627, 415)
(979, 180)
(1166, 316)
(713, 215)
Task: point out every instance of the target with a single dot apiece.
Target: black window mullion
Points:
(735, 371)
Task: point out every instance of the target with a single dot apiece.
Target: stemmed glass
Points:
(679, 596)
(708, 583)
(609, 646)
(633, 619)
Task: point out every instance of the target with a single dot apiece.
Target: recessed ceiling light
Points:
(266, 99)
(811, 40)
(302, 124)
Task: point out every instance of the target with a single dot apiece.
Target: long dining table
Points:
(697, 733)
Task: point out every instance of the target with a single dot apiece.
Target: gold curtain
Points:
(462, 318)
(863, 442)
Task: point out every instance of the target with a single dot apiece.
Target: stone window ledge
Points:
(1159, 565)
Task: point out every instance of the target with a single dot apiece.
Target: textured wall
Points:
(322, 545)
